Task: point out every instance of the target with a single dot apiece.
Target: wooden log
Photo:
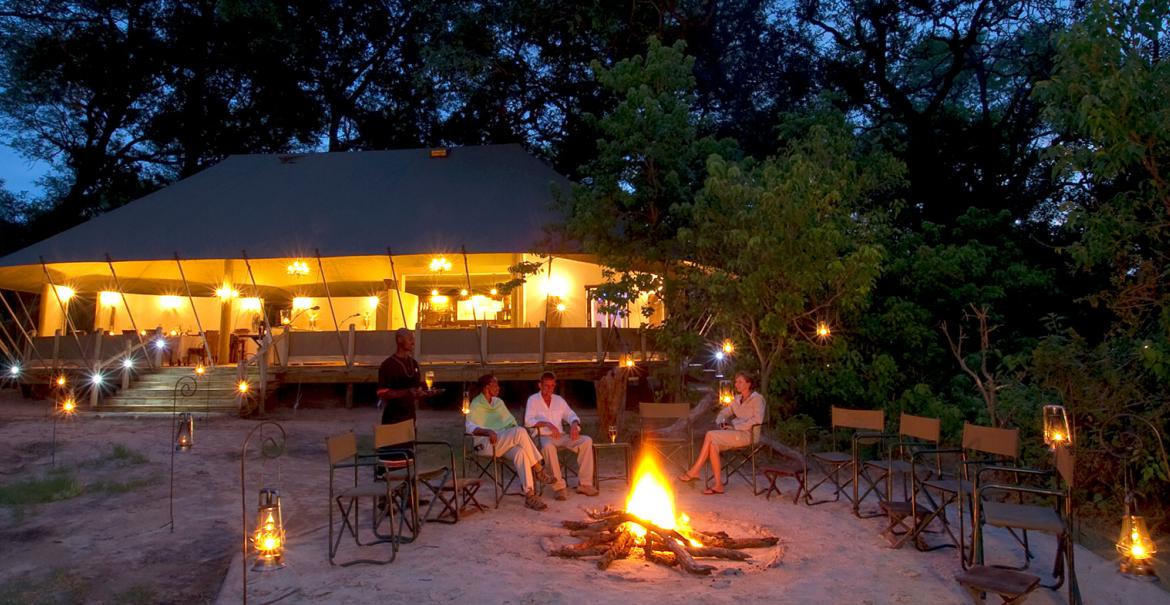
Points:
(722, 540)
(662, 558)
(571, 552)
(590, 533)
(620, 549)
(684, 558)
(718, 553)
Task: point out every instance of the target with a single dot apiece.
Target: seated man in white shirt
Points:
(548, 412)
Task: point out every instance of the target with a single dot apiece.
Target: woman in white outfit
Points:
(736, 423)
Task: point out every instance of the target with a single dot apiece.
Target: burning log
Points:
(718, 553)
(722, 540)
(619, 550)
(685, 560)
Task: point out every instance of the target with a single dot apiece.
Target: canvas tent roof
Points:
(494, 198)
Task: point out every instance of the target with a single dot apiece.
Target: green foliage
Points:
(58, 484)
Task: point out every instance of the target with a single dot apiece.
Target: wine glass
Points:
(429, 378)
(613, 433)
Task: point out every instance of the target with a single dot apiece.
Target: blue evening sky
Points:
(18, 174)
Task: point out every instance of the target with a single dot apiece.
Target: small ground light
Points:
(242, 387)
(14, 371)
(200, 370)
(96, 379)
(160, 344)
(68, 406)
(128, 363)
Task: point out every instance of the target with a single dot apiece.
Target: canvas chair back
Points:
(990, 440)
(920, 427)
(868, 420)
(386, 435)
(341, 447)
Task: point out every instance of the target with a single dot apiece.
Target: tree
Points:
(780, 247)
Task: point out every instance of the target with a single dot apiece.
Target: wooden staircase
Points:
(155, 393)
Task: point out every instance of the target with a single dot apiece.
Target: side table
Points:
(598, 448)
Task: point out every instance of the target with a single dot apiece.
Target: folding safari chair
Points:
(981, 446)
(399, 437)
(343, 454)
(1012, 587)
(1054, 518)
(485, 463)
(914, 433)
(864, 425)
(660, 415)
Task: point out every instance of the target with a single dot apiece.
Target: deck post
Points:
(95, 391)
(56, 347)
(542, 330)
(483, 344)
(158, 351)
(350, 352)
(126, 370)
(600, 344)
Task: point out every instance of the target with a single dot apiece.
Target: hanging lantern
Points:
(268, 538)
(61, 380)
(1135, 546)
(200, 370)
(185, 432)
(628, 361)
(726, 393)
(1056, 429)
(68, 406)
(466, 409)
(728, 347)
(823, 331)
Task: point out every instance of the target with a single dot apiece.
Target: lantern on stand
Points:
(466, 409)
(726, 393)
(627, 361)
(185, 432)
(268, 538)
(728, 347)
(1056, 427)
(1136, 547)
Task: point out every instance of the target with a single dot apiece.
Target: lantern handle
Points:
(1132, 440)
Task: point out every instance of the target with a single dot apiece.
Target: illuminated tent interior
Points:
(302, 240)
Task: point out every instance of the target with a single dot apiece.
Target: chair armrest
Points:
(1017, 470)
(1009, 487)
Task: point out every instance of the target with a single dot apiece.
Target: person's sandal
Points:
(562, 494)
(587, 490)
(534, 502)
(544, 476)
(687, 478)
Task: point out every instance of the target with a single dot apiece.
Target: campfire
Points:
(650, 526)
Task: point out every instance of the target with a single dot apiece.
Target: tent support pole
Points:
(64, 313)
(262, 348)
(329, 299)
(398, 289)
(194, 311)
(474, 318)
(32, 345)
(129, 314)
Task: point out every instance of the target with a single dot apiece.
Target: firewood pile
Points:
(610, 535)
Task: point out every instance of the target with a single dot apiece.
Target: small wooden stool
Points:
(1012, 586)
(467, 490)
(786, 468)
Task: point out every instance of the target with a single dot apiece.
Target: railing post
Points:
(96, 388)
(56, 346)
(350, 346)
(158, 351)
(126, 370)
(642, 337)
(600, 345)
(542, 331)
(483, 343)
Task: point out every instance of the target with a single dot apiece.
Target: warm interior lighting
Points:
(268, 539)
(652, 499)
(373, 301)
(555, 285)
(242, 386)
(170, 302)
(1135, 546)
(65, 293)
(226, 292)
(494, 292)
(439, 264)
(61, 380)
(439, 299)
(561, 307)
(298, 267)
(463, 292)
(728, 347)
(302, 303)
(200, 370)
(1056, 429)
(109, 299)
(173, 332)
(251, 304)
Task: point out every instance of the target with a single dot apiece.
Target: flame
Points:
(652, 499)
(267, 536)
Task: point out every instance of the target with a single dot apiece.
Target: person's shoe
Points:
(562, 494)
(544, 476)
(534, 502)
(587, 490)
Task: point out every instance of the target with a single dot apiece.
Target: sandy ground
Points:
(110, 541)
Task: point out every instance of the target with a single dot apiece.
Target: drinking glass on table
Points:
(429, 378)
